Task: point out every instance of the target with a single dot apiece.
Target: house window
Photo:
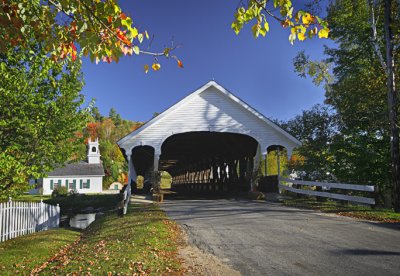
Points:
(54, 185)
(116, 187)
(93, 149)
(84, 185)
(72, 185)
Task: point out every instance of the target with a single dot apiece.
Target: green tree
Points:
(112, 114)
(96, 114)
(359, 90)
(316, 129)
(39, 115)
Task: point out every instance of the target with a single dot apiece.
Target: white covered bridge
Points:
(210, 139)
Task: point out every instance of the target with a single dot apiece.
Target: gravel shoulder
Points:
(197, 262)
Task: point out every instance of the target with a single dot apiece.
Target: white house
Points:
(83, 177)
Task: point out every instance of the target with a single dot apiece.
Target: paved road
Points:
(270, 239)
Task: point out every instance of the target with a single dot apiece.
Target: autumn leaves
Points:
(103, 32)
(302, 24)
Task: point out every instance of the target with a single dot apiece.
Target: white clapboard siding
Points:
(21, 218)
(359, 199)
(210, 108)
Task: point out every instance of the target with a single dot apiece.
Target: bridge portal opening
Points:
(142, 159)
(209, 162)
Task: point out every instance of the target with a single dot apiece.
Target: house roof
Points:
(79, 169)
(188, 98)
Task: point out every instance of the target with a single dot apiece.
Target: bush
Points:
(61, 191)
(73, 193)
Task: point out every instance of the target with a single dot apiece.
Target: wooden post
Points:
(155, 162)
(279, 162)
(265, 164)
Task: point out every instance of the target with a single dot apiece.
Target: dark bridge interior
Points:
(209, 161)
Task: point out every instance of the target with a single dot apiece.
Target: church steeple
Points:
(93, 151)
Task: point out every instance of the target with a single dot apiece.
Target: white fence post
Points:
(20, 218)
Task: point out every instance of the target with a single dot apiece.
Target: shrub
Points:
(73, 193)
(61, 191)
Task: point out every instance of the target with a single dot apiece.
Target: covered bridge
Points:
(210, 139)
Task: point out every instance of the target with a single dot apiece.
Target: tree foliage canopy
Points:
(357, 90)
(109, 130)
(39, 115)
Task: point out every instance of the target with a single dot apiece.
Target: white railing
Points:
(21, 218)
(327, 186)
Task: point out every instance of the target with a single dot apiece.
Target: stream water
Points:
(82, 221)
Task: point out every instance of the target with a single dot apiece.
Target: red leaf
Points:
(123, 16)
(180, 64)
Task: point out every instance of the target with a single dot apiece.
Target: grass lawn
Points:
(356, 211)
(143, 242)
(21, 255)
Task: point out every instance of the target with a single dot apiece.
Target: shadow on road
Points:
(367, 252)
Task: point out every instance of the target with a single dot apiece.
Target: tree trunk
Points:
(392, 106)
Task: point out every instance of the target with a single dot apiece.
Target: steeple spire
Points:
(93, 151)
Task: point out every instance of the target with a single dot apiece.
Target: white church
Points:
(84, 177)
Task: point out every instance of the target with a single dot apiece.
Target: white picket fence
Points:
(21, 218)
(328, 186)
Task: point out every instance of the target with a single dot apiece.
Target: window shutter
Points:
(66, 183)
(51, 184)
(80, 184)
(88, 183)
(74, 184)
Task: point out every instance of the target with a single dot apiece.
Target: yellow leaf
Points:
(146, 68)
(266, 26)
(134, 32)
(301, 36)
(156, 66)
(323, 33)
(307, 19)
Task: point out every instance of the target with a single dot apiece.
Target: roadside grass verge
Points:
(344, 209)
(143, 242)
(20, 255)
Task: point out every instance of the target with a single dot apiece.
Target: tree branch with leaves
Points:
(302, 24)
(71, 28)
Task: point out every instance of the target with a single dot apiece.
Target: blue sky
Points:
(259, 71)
